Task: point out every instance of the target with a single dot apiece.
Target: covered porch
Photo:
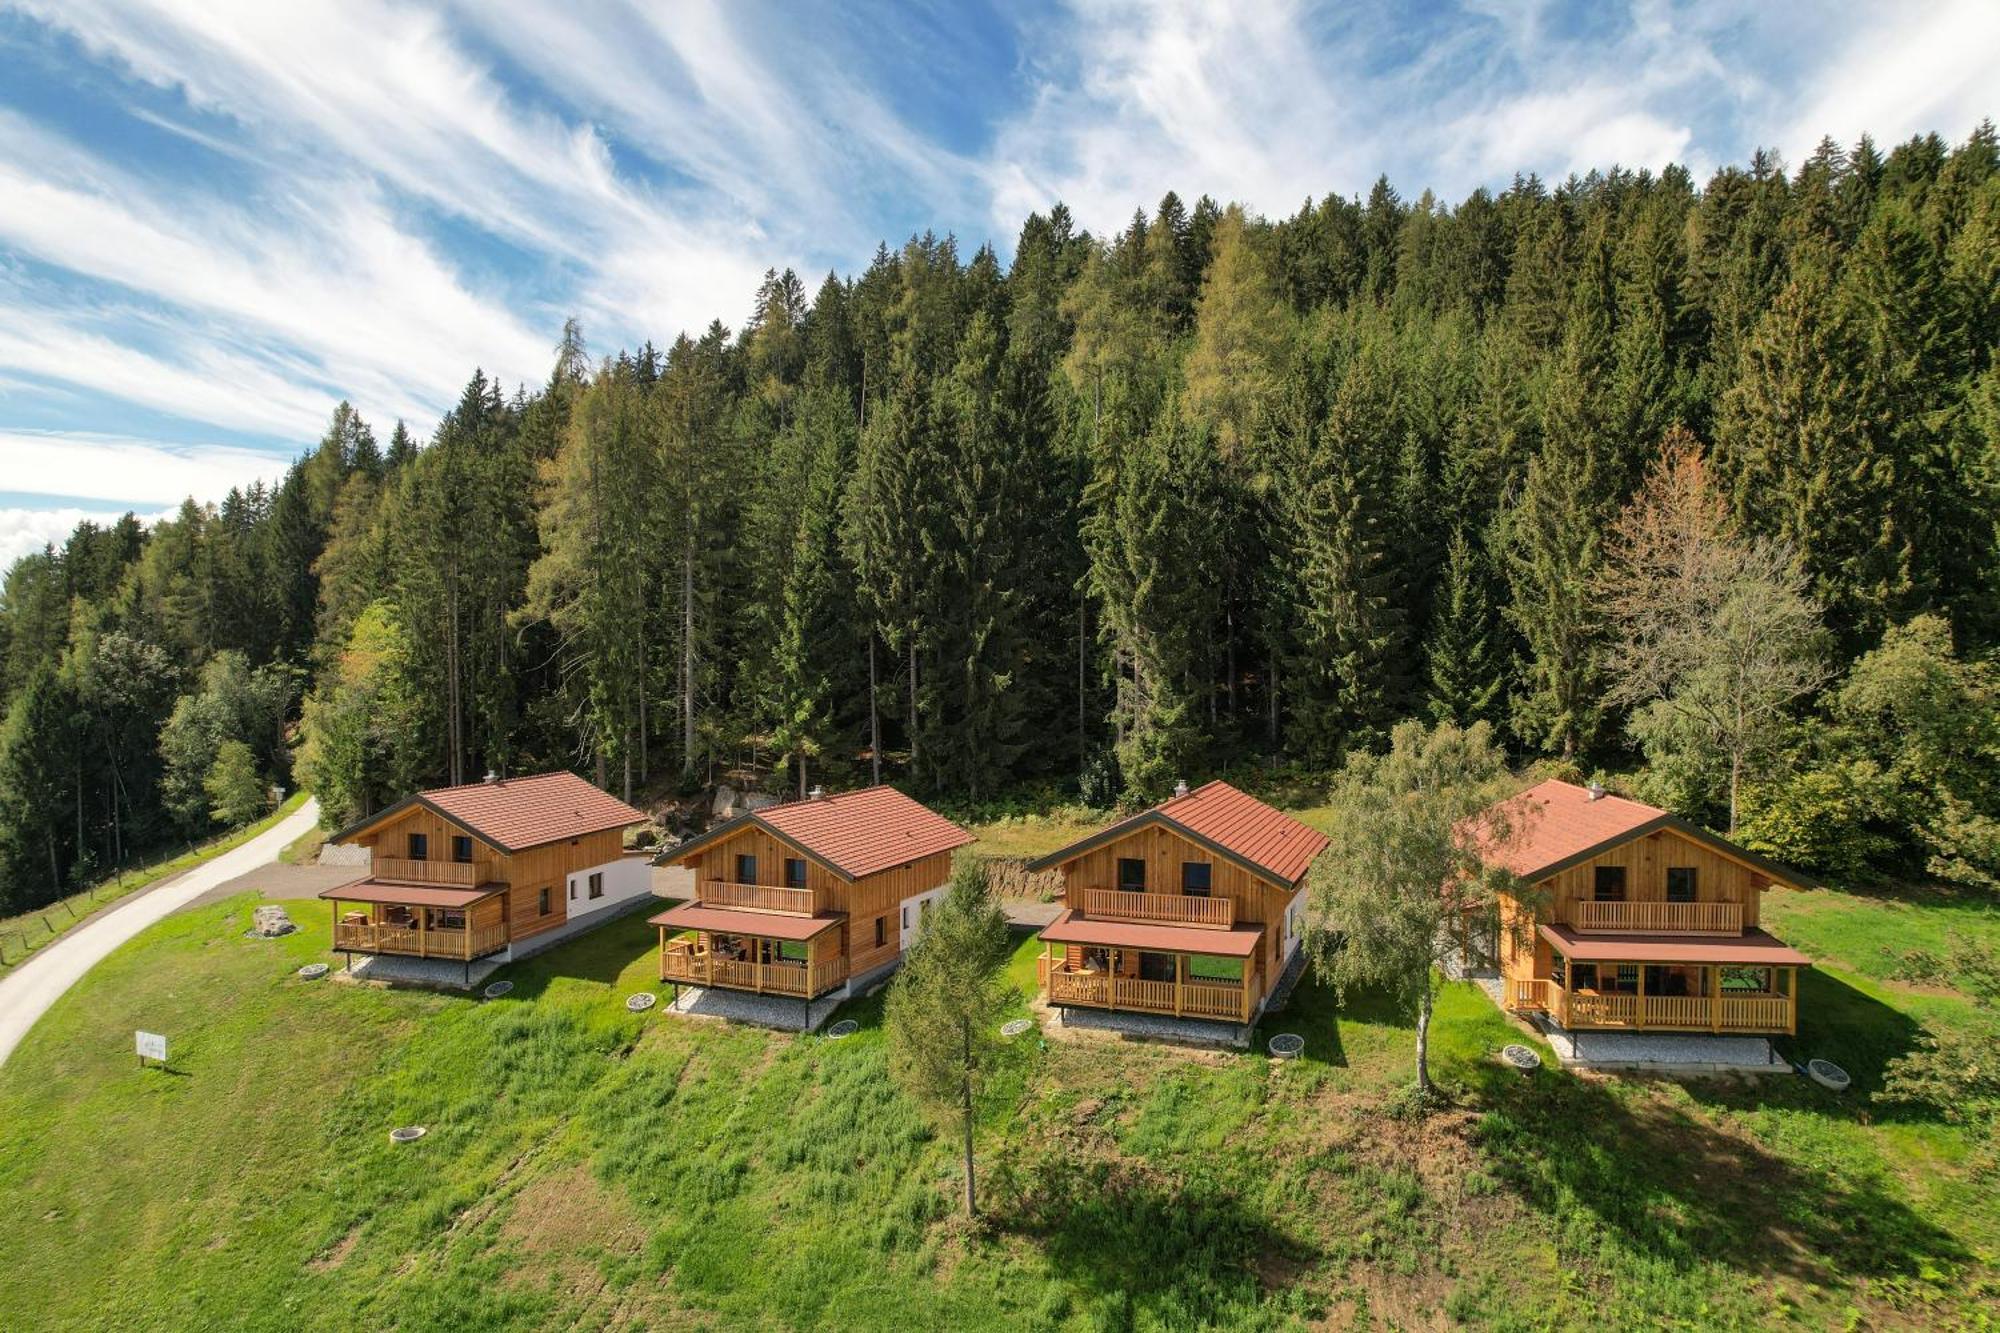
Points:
(417, 921)
(763, 952)
(1743, 984)
(1182, 971)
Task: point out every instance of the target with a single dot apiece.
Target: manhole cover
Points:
(1828, 1075)
(497, 989)
(407, 1134)
(1523, 1058)
(1015, 1027)
(641, 1002)
(313, 971)
(846, 1027)
(1286, 1045)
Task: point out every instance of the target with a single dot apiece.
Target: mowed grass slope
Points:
(591, 1168)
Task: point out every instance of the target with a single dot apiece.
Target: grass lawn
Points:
(587, 1167)
(21, 935)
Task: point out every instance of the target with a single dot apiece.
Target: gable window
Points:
(420, 847)
(1609, 884)
(1680, 884)
(542, 902)
(461, 849)
(597, 883)
(746, 869)
(1131, 875)
(795, 873)
(1195, 878)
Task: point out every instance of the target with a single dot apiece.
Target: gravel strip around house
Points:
(1154, 1027)
(764, 1011)
(1665, 1053)
(429, 973)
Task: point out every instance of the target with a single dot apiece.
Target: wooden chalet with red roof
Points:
(807, 898)
(470, 872)
(1191, 909)
(1645, 921)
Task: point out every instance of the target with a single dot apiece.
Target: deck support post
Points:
(1715, 999)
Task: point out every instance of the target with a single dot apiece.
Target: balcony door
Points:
(1157, 967)
(1131, 874)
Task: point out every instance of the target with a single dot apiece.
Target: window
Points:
(1158, 967)
(923, 910)
(1559, 971)
(597, 883)
(572, 888)
(881, 931)
(543, 902)
(746, 869)
(448, 918)
(795, 873)
(1131, 874)
(906, 918)
(1680, 884)
(1194, 878)
(420, 847)
(1610, 884)
(461, 849)
(1627, 980)
(1586, 976)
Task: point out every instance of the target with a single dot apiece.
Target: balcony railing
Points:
(758, 897)
(695, 966)
(1681, 1013)
(1179, 908)
(464, 874)
(383, 937)
(1183, 999)
(1657, 918)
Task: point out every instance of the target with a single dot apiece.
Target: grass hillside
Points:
(589, 1168)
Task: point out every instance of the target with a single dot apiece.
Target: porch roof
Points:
(408, 895)
(1236, 942)
(731, 921)
(1753, 948)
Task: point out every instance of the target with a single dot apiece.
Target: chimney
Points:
(1596, 791)
(818, 793)
(1180, 788)
(492, 778)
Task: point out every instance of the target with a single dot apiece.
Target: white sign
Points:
(152, 1046)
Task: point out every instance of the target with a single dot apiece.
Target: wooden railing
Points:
(1104, 990)
(1680, 1013)
(465, 874)
(705, 969)
(1180, 908)
(373, 937)
(757, 897)
(1657, 918)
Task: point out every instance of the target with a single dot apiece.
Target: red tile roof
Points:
(1554, 821)
(517, 813)
(855, 834)
(1271, 841)
(407, 895)
(734, 921)
(1236, 942)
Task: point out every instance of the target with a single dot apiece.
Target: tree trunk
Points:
(971, 1195)
(687, 654)
(874, 714)
(1424, 1045)
(1271, 689)
(913, 702)
(645, 683)
(628, 770)
(1082, 689)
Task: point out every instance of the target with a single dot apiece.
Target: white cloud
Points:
(25, 531)
(122, 470)
(1906, 69)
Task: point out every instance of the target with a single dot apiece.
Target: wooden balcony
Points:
(759, 897)
(1656, 918)
(687, 962)
(1230, 1001)
(419, 942)
(458, 874)
(1181, 909)
(1667, 1013)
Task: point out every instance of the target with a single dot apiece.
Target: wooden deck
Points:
(1231, 1001)
(419, 942)
(1655, 918)
(681, 961)
(1181, 909)
(1582, 1010)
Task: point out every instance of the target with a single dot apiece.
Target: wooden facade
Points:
(758, 873)
(1663, 894)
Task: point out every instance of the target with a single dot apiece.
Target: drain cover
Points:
(1521, 1057)
(1286, 1045)
(641, 1002)
(497, 989)
(846, 1027)
(313, 971)
(1015, 1027)
(407, 1134)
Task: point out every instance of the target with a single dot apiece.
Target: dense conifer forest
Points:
(1213, 491)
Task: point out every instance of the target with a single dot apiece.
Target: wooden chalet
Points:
(1645, 921)
(1191, 909)
(807, 898)
(470, 872)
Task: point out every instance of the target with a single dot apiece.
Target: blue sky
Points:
(217, 219)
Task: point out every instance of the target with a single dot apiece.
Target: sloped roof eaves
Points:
(1683, 827)
(701, 842)
(1084, 846)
